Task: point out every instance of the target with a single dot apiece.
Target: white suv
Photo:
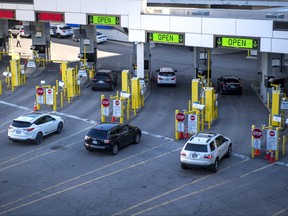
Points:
(205, 149)
(61, 31)
(34, 126)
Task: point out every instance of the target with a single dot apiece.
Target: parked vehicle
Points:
(166, 76)
(104, 79)
(99, 36)
(14, 30)
(61, 31)
(205, 150)
(229, 85)
(111, 137)
(34, 126)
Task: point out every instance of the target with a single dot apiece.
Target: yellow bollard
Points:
(283, 145)
(252, 141)
(0, 87)
(102, 107)
(61, 100)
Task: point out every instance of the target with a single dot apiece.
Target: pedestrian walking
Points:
(18, 38)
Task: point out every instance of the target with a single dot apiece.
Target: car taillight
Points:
(10, 127)
(108, 80)
(183, 154)
(106, 141)
(208, 156)
(63, 31)
(21, 30)
(159, 78)
(174, 78)
(29, 129)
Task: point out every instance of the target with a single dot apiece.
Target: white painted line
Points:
(15, 105)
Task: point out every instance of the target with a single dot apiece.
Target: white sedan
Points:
(34, 126)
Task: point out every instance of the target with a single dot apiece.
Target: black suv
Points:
(104, 79)
(111, 137)
(229, 85)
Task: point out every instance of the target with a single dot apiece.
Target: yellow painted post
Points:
(54, 98)
(252, 141)
(0, 87)
(57, 86)
(277, 144)
(68, 95)
(209, 67)
(283, 145)
(268, 100)
(135, 84)
(63, 70)
(61, 99)
(125, 80)
(102, 107)
(91, 74)
(176, 126)
(275, 106)
(209, 105)
(128, 108)
(122, 111)
(195, 91)
(71, 82)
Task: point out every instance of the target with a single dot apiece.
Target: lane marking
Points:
(87, 182)
(15, 105)
(40, 148)
(201, 190)
(178, 188)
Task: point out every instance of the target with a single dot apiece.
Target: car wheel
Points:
(183, 166)
(115, 149)
(137, 138)
(215, 165)
(229, 151)
(59, 128)
(58, 35)
(38, 138)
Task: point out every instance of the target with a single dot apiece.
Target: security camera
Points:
(270, 80)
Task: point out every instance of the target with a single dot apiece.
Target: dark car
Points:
(111, 137)
(104, 79)
(229, 85)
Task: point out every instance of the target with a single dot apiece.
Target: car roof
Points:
(166, 69)
(106, 126)
(230, 77)
(29, 117)
(202, 138)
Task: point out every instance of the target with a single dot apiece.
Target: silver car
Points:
(166, 76)
(205, 150)
(14, 30)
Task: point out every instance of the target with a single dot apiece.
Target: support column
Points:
(140, 61)
(265, 75)
(196, 57)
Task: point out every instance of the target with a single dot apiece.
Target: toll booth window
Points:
(280, 26)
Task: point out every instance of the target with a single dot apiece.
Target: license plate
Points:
(194, 155)
(95, 142)
(101, 81)
(18, 131)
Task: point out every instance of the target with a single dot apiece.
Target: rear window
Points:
(232, 80)
(196, 147)
(166, 73)
(21, 124)
(98, 134)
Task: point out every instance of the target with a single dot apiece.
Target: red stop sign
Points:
(40, 91)
(105, 102)
(117, 102)
(257, 133)
(192, 117)
(49, 91)
(180, 117)
(272, 133)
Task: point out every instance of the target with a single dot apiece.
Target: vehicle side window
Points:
(41, 120)
(49, 118)
(212, 146)
(219, 140)
(118, 130)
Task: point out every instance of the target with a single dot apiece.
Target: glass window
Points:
(21, 124)
(98, 134)
(212, 146)
(196, 147)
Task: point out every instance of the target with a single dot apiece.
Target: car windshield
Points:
(21, 124)
(196, 147)
(98, 134)
(166, 74)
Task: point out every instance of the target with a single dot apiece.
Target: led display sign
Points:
(17, 1)
(237, 42)
(103, 20)
(161, 37)
(49, 17)
(7, 14)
